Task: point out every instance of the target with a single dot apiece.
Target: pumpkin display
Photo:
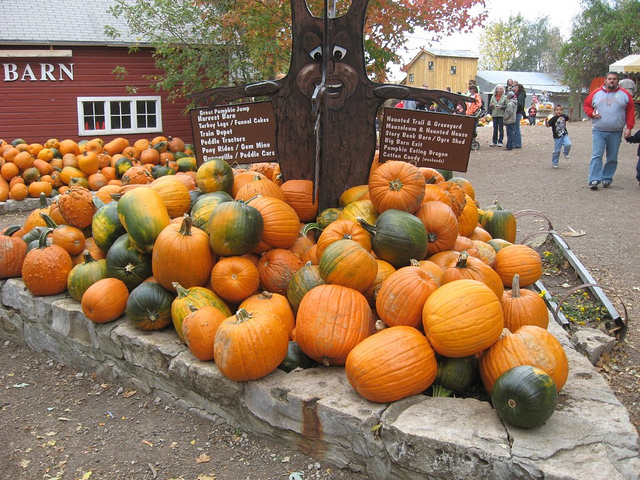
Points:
(126, 263)
(189, 299)
(524, 396)
(274, 303)
(465, 266)
(12, 252)
(299, 195)
(105, 300)
(301, 282)
(454, 376)
(181, 253)
(235, 228)
(392, 364)
(281, 225)
(342, 229)
(398, 237)
(462, 318)
(347, 263)
(45, 268)
(174, 194)
(149, 306)
(250, 345)
(331, 320)
(143, 215)
(77, 207)
(83, 275)
(402, 296)
(70, 238)
(500, 223)
(214, 175)
(234, 278)
(441, 225)
(396, 185)
(199, 330)
(276, 267)
(523, 307)
(518, 260)
(529, 345)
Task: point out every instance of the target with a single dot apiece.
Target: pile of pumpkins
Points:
(408, 284)
(29, 169)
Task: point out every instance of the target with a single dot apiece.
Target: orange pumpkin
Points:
(396, 185)
(342, 229)
(77, 207)
(274, 303)
(393, 364)
(521, 260)
(299, 195)
(46, 268)
(465, 266)
(235, 278)
(199, 331)
(462, 318)
(331, 321)
(281, 223)
(441, 224)
(276, 267)
(523, 307)
(105, 300)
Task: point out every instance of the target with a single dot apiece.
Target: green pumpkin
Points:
(455, 375)
(205, 204)
(158, 171)
(301, 282)
(398, 237)
(500, 223)
(296, 358)
(524, 396)
(149, 306)
(144, 215)
(106, 226)
(235, 228)
(187, 164)
(85, 274)
(122, 165)
(447, 174)
(326, 216)
(126, 263)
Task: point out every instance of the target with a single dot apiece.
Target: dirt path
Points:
(610, 218)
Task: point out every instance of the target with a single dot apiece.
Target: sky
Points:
(560, 13)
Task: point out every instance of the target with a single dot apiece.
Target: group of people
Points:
(507, 110)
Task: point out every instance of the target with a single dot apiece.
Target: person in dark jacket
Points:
(521, 97)
(635, 138)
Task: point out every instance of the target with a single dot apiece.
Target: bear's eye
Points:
(316, 53)
(339, 52)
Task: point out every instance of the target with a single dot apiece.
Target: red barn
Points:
(57, 80)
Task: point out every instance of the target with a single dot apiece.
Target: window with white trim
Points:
(119, 115)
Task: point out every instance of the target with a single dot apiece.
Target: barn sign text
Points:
(44, 72)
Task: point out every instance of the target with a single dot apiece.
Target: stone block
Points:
(32, 308)
(592, 343)
(11, 326)
(69, 321)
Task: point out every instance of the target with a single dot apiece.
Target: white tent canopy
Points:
(630, 63)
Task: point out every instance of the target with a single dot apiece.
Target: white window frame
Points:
(82, 131)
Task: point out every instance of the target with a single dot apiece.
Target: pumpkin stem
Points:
(308, 227)
(414, 263)
(462, 260)
(97, 202)
(43, 200)
(182, 292)
(242, 315)
(440, 391)
(42, 240)
(50, 222)
(367, 226)
(395, 185)
(87, 257)
(185, 228)
(266, 295)
(9, 231)
(515, 286)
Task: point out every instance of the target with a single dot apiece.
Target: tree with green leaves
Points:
(521, 45)
(201, 44)
(603, 33)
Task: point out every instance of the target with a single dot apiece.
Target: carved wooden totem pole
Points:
(326, 106)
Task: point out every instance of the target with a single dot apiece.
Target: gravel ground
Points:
(59, 423)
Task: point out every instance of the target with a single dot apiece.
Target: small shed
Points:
(440, 69)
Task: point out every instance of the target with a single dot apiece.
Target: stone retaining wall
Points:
(588, 437)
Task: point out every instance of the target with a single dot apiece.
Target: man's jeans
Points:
(608, 142)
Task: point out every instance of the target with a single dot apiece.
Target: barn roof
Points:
(60, 22)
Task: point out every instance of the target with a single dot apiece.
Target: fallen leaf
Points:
(86, 475)
(20, 385)
(147, 443)
(25, 463)
(129, 393)
(206, 477)
(51, 434)
(203, 458)
(573, 233)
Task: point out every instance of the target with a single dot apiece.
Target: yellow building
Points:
(439, 69)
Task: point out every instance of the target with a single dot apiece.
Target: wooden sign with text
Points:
(239, 133)
(426, 139)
